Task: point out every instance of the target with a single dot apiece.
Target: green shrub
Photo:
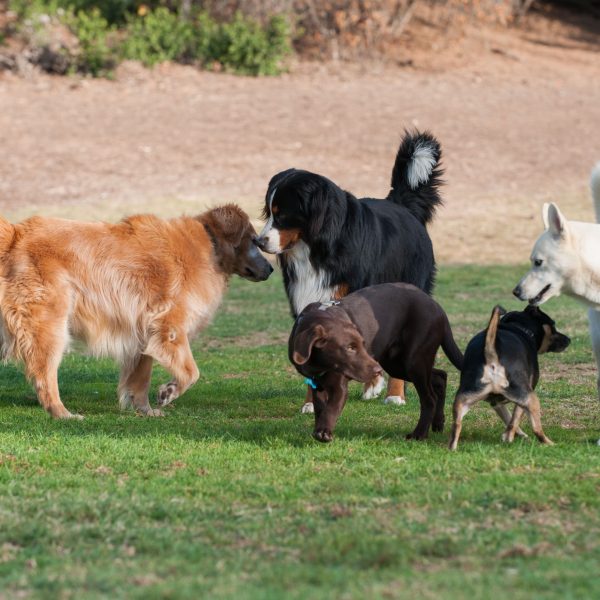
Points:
(247, 48)
(159, 36)
(96, 54)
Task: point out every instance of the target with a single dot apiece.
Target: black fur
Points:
(362, 242)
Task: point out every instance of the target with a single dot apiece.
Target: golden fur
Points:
(135, 290)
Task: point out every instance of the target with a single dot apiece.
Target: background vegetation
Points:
(243, 36)
(229, 496)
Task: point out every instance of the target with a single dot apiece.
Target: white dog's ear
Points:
(545, 214)
(555, 221)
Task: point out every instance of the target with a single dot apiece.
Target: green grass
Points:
(229, 496)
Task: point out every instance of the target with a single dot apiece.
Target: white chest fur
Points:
(308, 285)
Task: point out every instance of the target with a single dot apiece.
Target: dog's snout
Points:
(517, 292)
(260, 242)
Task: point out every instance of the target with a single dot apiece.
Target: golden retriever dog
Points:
(136, 290)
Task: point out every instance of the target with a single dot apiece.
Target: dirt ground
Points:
(518, 118)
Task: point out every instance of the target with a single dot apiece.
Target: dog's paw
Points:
(167, 393)
(507, 437)
(307, 408)
(65, 414)
(598, 443)
(154, 412)
(395, 400)
(416, 435)
(75, 417)
(374, 388)
(437, 426)
(522, 434)
(323, 435)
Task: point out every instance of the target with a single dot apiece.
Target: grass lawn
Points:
(229, 496)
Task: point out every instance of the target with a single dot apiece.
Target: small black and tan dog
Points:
(501, 366)
(392, 326)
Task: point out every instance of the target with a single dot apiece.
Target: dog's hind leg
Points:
(428, 401)
(171, 349)
(439, 381)
(533, 410)
(513, 424)
(594, 320)
(41, 349)
(462, 405)
(134, 385)
(506, 417)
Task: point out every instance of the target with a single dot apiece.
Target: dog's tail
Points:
(416, 175)
(491, 356)
(451, 350)
(595, 185)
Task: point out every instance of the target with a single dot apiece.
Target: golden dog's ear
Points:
(304, 342)
(230, 223)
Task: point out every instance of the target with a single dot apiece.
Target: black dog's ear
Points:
(275, 181)
(304, 342)
(325, 204)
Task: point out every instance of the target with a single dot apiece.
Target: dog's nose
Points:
(260, 242)
(517, 292)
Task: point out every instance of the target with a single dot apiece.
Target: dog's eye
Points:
(538, 262)
(351, 348)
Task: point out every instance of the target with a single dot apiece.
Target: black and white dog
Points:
(330, 243)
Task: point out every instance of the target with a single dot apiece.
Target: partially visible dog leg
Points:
(41, 349)
(439, 380)
(428, 401)
(308, 407)
(329, 403)
(533, 409)
(395, 392)
(175, 355)
(513, 424)
(594, 319)
(134, 385)
(462, 404)
(506, 417)
(374, 388)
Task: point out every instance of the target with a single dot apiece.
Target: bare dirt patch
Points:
(518, 116)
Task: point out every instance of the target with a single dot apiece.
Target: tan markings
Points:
(274, 209)
(395, 387)
(288, 237)
(340, 291)
(493, 371)
(533, 409)
(546, 341)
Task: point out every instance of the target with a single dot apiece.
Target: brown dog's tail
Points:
(451, 350)
(491, 356)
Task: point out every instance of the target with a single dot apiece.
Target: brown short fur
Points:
(135, 290)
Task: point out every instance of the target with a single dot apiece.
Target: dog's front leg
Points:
(134, 385)
(175, 355)
(328, 404)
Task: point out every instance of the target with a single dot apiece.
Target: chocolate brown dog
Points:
(501, 365)
(393, 326)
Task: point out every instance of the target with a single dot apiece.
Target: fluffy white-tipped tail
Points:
(595, 185)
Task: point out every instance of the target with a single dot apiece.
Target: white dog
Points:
(566, 259)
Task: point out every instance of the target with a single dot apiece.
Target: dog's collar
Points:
(526, 331)
(326, 305)
(310, 381)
